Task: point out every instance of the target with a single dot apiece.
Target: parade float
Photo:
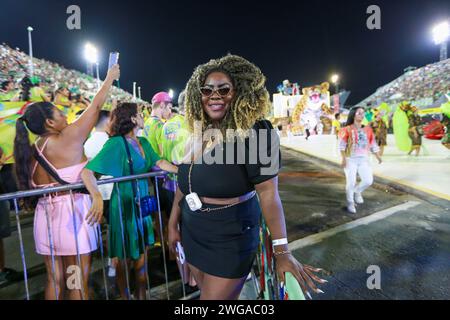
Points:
(295, 110)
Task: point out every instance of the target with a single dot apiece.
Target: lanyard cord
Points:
(189, 177)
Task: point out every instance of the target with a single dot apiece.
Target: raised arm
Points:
(272, 210)
(81, 128)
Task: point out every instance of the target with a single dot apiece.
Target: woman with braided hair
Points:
(215, 204)
(64, 222)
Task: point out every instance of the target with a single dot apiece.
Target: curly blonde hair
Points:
(250, 104)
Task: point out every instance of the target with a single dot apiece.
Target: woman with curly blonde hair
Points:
(215, 203)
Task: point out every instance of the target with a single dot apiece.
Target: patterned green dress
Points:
(112, 161)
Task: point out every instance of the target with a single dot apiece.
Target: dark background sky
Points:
(161, 42)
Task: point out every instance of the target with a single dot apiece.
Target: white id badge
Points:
(193, 201)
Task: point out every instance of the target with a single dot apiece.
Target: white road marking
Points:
(318, 237)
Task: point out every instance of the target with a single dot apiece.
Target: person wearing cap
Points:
(174, 135)
(161, 102)
(174, 139)
(161, 106)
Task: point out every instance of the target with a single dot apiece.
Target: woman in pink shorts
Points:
(65, 226)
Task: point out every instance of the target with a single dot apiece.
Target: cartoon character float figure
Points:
(313, 107)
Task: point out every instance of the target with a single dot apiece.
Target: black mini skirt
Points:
(221, 243)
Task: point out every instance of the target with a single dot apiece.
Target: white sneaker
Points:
(351, 207)
(358, 198)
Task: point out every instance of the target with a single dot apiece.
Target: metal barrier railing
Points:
(64, 188)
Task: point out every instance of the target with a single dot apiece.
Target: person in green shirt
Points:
(175, 135)
(31, 91)
(62, 100)
(161, 104)
(7, 91)
(126, 121)
(175, 132)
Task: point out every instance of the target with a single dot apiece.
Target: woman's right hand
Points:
(95, 214)
(344, 163)
(113, 73)
(174, 237)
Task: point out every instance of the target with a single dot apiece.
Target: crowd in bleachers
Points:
(50, 76)
(430, 82)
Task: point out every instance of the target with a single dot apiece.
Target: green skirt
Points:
(131, 237)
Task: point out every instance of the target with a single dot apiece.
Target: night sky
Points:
(161, 42)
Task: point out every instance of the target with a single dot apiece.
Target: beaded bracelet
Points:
(276, 254)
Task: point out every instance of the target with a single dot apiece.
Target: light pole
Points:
(30, 48)
(91, 55)
(441, 34)
(134, 91)
(98, 77)
(171, 93)
(139, 93)
(335, 81)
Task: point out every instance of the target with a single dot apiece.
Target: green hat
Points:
(35, 80)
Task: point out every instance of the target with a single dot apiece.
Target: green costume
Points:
(37, 94)
(175, 133)
(401, 127)
(380, 130)
(112, 161)
(445, 108)
(153, 132)
(7, 96)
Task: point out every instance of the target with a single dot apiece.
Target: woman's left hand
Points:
(303, 273)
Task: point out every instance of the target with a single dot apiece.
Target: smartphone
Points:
(113, 59)
(180, 251)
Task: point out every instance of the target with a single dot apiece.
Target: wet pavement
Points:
(406, 237)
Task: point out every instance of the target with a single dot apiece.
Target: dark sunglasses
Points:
(208, 91)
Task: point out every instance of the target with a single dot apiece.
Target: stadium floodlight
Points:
(441, 35)
(334, 78)
(335, 81)
(171, 93)
(30, 48)
(441, 32)
(90, 53)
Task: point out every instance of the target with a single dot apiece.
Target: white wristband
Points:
(279, 242)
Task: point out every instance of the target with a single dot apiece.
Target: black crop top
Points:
(238, 178)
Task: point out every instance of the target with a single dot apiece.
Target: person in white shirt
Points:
(92, 146)
(98, 137)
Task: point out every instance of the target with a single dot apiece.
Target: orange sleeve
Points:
(343, 134)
